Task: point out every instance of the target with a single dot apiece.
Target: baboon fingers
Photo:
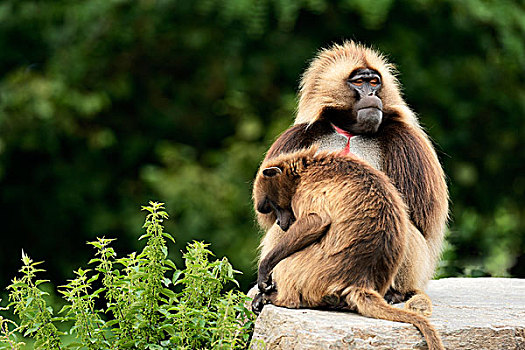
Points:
(265, 283)
(260, 300)
(258, 303)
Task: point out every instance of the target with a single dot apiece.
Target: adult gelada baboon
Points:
(350, 102)
(346, 240)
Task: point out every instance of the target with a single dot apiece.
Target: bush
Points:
(147, 302)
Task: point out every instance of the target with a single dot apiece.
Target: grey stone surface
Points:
(469, 313)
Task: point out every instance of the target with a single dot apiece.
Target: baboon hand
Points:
(258, 303)
(265, 283)
(264, 276)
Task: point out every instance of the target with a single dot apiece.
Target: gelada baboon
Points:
(350, 101)
(346, 241)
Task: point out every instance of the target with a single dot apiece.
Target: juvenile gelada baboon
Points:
(346, 241)
(350, 102)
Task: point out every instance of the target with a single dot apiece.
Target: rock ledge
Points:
(469, 313)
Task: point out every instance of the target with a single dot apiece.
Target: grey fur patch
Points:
(363, 147)
(367, 149)
(332, 142)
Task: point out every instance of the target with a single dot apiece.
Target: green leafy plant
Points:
(142, 301)
(8, 329)
(27, 300)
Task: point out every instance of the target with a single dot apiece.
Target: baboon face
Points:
(364, 113)
(274, 196)
(351, 86)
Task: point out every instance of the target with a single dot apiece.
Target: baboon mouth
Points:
(369, 115)
(368, 120)
(378, 109)
(369, 102)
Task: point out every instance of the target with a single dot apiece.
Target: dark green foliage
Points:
(134, 302)
(104, 104)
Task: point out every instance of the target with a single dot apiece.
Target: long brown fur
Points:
(348, 240)
(407, 155)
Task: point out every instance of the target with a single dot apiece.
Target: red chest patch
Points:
(346, 150)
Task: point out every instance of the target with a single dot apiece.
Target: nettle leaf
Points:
(64, 309)
(92, 279)
(111, 323)
(39, 282)
(168, 236)
(170, 263)
(98, 291)
(164, 250)
(148, 209)
(176, 275)
(169, 293)
(32, 329)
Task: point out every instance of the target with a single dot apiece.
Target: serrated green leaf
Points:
(168, 236)
(92, 279)
(39, 282)
(170, 263)
(176, 276)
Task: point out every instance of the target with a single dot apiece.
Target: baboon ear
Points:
(272, 171)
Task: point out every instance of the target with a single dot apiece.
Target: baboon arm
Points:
(298, 137)
(303, 232)
(412, 164)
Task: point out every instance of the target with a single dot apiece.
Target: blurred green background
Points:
(107, 104)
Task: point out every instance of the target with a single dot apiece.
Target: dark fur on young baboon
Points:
(351, 90)
(347, 241)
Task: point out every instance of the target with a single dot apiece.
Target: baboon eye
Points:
(374, 82)
(358, 82)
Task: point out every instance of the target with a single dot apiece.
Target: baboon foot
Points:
(420, 303)
(394, 296)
